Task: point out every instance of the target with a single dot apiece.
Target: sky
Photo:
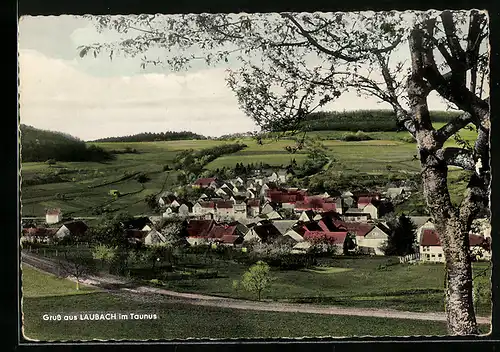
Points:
(92, 98)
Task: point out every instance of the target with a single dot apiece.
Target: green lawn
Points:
(44, 294)
(38, 284)
(346, 281)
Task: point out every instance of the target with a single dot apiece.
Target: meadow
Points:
(180, 321)
(87, 184)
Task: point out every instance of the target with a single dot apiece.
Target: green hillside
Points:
(41, 145)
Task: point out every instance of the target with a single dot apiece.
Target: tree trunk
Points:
(453, 235)
(77, 284)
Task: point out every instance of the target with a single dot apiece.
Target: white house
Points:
(184, 210)
(306, 216)
(372, 210)
(297, 237)
(355, 214)
(154, 237)
(203, 208)
(274, 177)
(53, 216)
(284, 225)
(73, 229)
(166, 214)
(282, 176)
(394, 192)
(432, 251)
(273, 215)
(225, 209)
(266, 209)
(264, 189)
(240, 210)
(221, 192)
(373, 239)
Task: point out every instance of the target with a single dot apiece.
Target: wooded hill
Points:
(152, 137)
(361, 120)
(42, 145)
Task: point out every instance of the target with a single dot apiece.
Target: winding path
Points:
(118, 285)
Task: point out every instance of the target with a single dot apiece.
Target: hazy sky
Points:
(94, 97)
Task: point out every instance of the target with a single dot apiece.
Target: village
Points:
(263, 209)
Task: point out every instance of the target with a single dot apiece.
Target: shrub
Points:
(355, 137)
(409, 139)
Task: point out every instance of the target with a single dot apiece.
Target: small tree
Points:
(257, 278)
(103, 253)
(75, 264)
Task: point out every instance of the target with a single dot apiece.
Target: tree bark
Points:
(451, 227)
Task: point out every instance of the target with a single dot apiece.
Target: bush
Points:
(355, 137)
(409, 139)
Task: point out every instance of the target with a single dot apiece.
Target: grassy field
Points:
(82, 192)
(179, 321)
(354, 282)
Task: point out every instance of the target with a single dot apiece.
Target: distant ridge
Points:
(152, 137)
(42, 145)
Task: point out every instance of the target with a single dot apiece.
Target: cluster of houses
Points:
(237, 212)
(241, 200)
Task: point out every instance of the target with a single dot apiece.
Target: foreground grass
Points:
(38, 284)
(181, 321)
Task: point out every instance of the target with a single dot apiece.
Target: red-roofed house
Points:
(432, 251)
(226, 235)
(198, 230)
(340, 239)
(53, 216)
(207, 182)
(38, 234)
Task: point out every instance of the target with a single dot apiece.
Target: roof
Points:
(39, 231)
(136, 223)
(53, 211)
(266, 231)
(420, 220)
(218, 231)
(395, 190)
(334, 237)
(207, 204)
(168, 198)
(284, 225)
(312, 226)
(199, 228)
(364, 200)
(430, 238)
(76, 227)
(354, 211)
(230, 239)
(225, 204)
(359, 229)
(205, 181)
(253, 202)
(303, 245)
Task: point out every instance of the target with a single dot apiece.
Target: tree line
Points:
(153, 137)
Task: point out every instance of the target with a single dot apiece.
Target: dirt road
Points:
(118, 285)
